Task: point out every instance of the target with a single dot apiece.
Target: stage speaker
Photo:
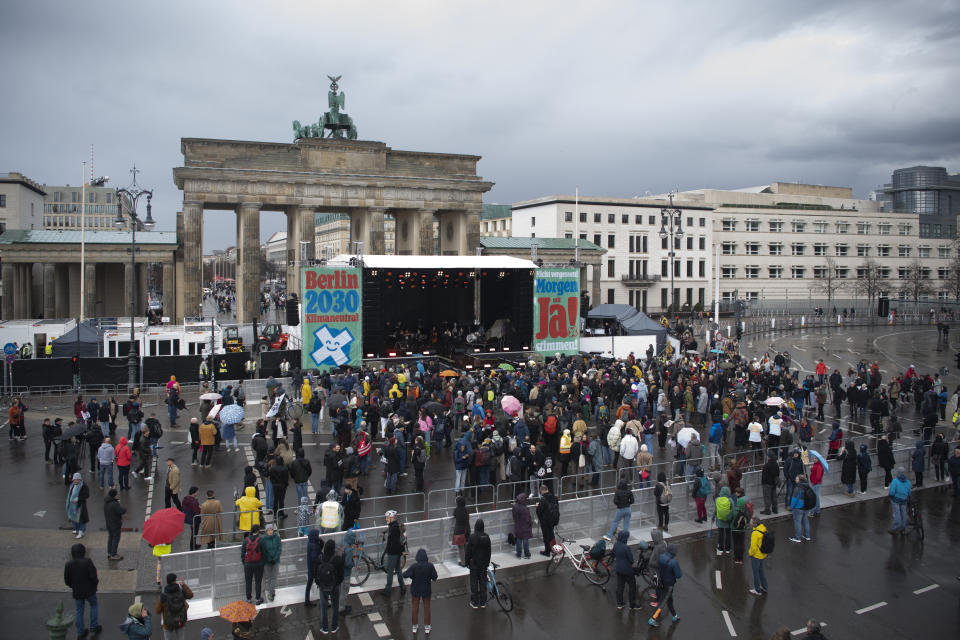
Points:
(372, 314)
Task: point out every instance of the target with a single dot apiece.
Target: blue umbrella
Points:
(231, 414)
(716, 350)
(819, 457)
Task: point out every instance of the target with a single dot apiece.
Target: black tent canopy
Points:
(83, 339)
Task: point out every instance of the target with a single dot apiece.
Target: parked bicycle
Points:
(595, 570)
(363, 563)
(497, 589)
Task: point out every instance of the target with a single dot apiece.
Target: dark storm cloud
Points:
(619, 99)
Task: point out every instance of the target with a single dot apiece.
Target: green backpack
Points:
(723, 508)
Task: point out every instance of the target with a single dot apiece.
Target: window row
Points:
(625, 218)
(823, 249)
(800, 226)
(777, 272)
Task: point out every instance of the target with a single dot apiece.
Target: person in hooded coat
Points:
(624, 569)
(864, 467)
(313, 553)
(80, 574)
(723, 524)
(461, 527)
(138, 625)
(899, 494)
(917, 462)
(885, 459)
(478, 559)
(350, 546)
(330, 591)
(848, 470)
(522, 525)
(421, 574)
(249, 508)
(669, 573)
(77, 496)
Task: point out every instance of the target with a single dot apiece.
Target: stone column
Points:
(90, 295)
(248, 261)
(404, 237)
(61, 292)
(359, 231)
(376, 232)
(453, 233)
(595, 286)
(141, 284)
(49, 291)
(423, 238)
(308, 234)
(192, 256)
(169, 295)
(9, 293)
(471, 232)
(73, 289)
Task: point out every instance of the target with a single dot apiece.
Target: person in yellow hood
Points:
(306, 392)
(249, 509)
(394, 391)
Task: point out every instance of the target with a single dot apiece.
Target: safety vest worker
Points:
(26, 351)
(331, 513)
(250, 367)
(204, 370)
(284, 368)
(48, 350)
(222, 369)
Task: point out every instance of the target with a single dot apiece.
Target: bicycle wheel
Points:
(554, 563)
(295, 411)
(504, 599)
(597, 572)
(361, 570)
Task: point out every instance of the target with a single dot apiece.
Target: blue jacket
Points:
(669, 569)
(136, 629)
(900, 490)
(716, 433)
(918, 456)
(461, 459)
(314, 547)
(421, 574)
(521, 431)
(623, 555)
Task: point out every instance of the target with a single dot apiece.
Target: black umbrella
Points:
(434, 407)
(336, 400)
(73, 432)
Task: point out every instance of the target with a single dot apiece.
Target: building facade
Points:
(931, 193)
(62, 208)
(788, 241)
(496, 221)
(21, 202)
(637, 267)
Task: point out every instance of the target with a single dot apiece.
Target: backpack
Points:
(480, 459)
(550, 426)
(419, 455)
(458, 405)
(740, 520)
(809, 498)
(603, 413)
(667, 496)
(175, 612)
(251, 550)
(325, 574)
(766, 543)
(723, 508)
(498, 447)
(703, 490)
(598, 549)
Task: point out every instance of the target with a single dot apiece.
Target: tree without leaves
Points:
(868, 282)
(829, 284)
(916, 285)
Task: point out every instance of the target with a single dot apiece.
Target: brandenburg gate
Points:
(323, 170)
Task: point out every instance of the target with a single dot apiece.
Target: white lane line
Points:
(870, 608)
(726, 618)
(365, 599)
(375, 617)
(717, 578)
(925, 589)
(835, 356)
(797, 632)
(381, 629)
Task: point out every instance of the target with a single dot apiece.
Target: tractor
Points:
(272, 338)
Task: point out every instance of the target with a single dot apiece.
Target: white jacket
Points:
(629, 447)
(613, 436)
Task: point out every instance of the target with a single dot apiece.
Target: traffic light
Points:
(293, 310)
(75, 363)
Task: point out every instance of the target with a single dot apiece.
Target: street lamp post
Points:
(671, 226)
(134, 192)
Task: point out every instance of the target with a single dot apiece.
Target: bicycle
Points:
(498, 590)
(595, 569)
(362, 562)
(915, 517)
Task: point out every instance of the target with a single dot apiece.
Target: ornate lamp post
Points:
(134, 192)
(671, 226)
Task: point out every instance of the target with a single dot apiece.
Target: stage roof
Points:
(438, 262)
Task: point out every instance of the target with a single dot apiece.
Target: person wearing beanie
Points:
(77, 495)
(138, 624)
(644, 461)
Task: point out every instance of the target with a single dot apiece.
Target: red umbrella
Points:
(163, 526)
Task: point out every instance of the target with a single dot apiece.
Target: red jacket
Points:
(124, 455)
(816, 473)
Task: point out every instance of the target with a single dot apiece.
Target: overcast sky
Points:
(619, 98)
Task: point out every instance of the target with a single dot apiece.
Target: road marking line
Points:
(381, 629)
(925, 589)
(797, 632)
(717, 576)
(835, 356)
(375, 617)
(870, 608)
(365, 599)
(726, 618)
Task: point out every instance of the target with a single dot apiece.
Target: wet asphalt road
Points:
(852, 564)
(831, 578)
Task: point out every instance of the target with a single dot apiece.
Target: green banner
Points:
(556, 311)
(330, 323)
